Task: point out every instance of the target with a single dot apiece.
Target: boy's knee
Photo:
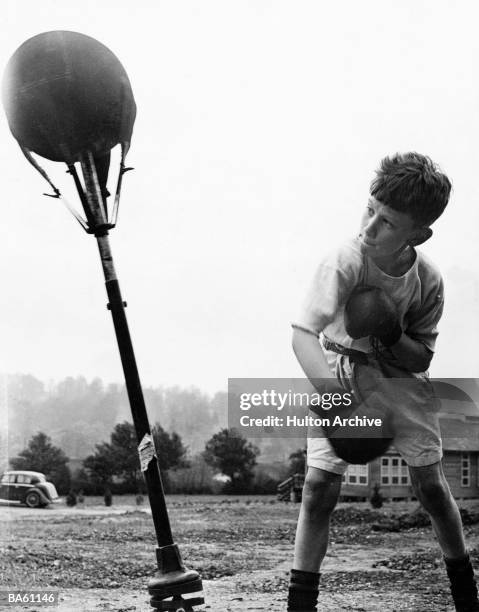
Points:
(321, 491)
(432, 490)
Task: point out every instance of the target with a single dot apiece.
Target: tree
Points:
(124, 453)
(25, 394)
(100, 466)
(376, 500)
(120, 458)
(41, 456)
(170, 450)
(233, 456)
(84, 483)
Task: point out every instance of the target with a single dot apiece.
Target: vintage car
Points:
(25, 487)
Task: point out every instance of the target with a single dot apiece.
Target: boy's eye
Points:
(387, 223)
(370, 211)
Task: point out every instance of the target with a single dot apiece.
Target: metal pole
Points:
(132, 379)
(135, 394)
(174, 579)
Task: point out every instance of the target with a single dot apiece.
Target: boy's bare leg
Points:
(320, 495)
(432, 491)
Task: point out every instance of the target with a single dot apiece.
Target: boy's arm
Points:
(335, 277)
(370, 311)
(310, 355)
(411, 354)
(415, 348)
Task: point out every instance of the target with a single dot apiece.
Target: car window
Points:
(4, 478)
(23, 479)
(11, 477)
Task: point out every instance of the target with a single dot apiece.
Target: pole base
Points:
(177, 604)
(174, 580)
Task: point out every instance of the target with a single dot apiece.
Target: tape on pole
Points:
(146, 451)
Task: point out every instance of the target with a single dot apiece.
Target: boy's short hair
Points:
(412, 183)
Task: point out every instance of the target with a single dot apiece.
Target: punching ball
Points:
(65, 93)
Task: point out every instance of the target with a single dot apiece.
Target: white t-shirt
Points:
(418, 295)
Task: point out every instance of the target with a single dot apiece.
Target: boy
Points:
(407, 195)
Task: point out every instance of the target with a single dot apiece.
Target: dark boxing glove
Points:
(352, 439)
(370, 311)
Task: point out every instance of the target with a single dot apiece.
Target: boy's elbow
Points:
(417, 368)
(427, 356)
(426, 363)
(422, 362)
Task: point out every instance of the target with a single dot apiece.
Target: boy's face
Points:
(385, 231)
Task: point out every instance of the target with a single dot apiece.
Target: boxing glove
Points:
(370, 311)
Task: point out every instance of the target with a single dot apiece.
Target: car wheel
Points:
(32, 499)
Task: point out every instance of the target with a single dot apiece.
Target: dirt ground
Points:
(100, 559)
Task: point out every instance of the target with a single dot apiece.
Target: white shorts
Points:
(414, 412)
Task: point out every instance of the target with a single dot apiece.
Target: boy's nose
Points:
(370, 228)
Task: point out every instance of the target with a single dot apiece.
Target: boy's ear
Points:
(420, 235)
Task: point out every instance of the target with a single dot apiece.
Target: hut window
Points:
(394, 471)
(356, 474)
(465, 470)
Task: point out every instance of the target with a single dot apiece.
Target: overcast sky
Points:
(259, 127)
